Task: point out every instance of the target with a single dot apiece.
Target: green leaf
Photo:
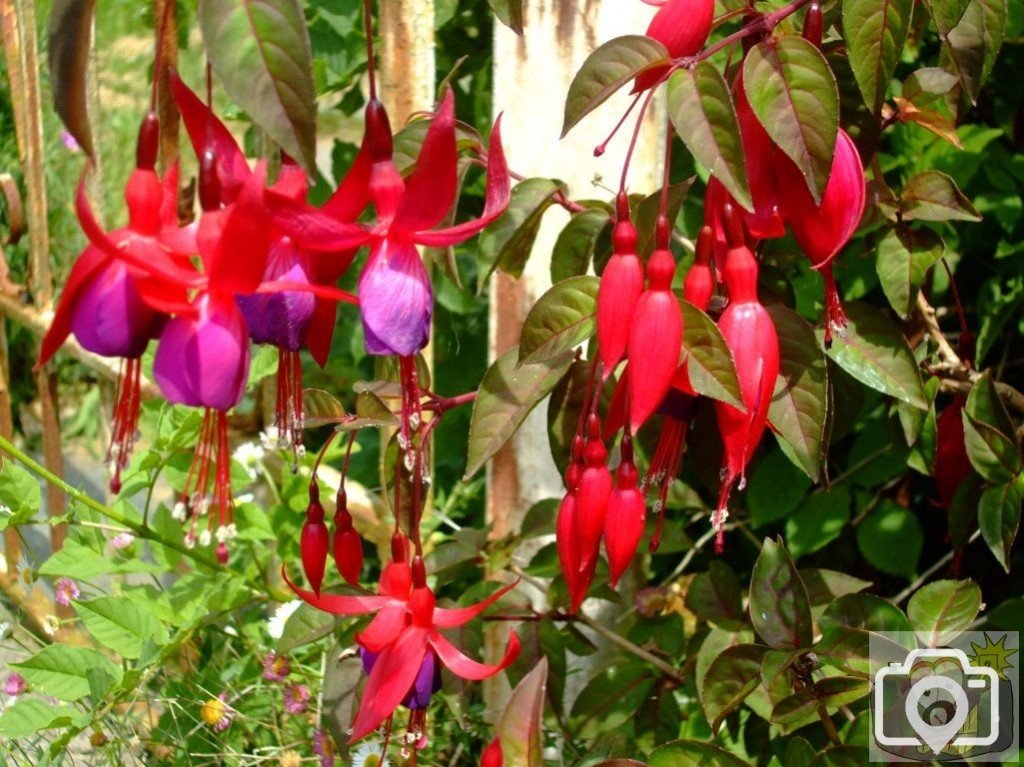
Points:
(874, 351)
(716, 596)
(904, 258)
(992, 452)
(875, 33)
(509, 13)
(999, 520)
(708, 359)
(732, 676)
(984, 405)
(607, 69)
(121, 624)
(941, 611)
(704, 116)
(825, 586)
(305, 626)
(320, 407)
(799, 753)
(693, 753)
(794, 95)
(519, 728)
(833, 692)
(561, 320)
(19, 493)
(76, 560)
(819, 521)
(779, 608)
(574, 248)
(890, 539)
(947, 13)
(506, 396)
(934, 196)
(507, 242)
(797, 410)
(260, 51)
(646, 212)
(927, 85)
(972, 45)
(62, 670)
(841, 756)
(29, 716)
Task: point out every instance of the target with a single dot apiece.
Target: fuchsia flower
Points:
(104, 299)
(65, 590)
(395, 298)
(403, 639)
(682, 26)
(622, 284)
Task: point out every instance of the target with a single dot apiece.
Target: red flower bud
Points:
(566, 543)
(682, 26)
(750, 335)
(315, 541)
(222, 553)
(761, 158)
(348, 546)
(699, 285)
(147, 146)
(655, 339)
(951, 466)
(814, 24)
(595, 488)
(492, 755)
(624, 522)
(622, 283)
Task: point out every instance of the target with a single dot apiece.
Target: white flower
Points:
(275, 626)
(51, 624)
(250, 455)
(271, 438)
(369, 755)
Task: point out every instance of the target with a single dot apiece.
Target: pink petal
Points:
(385, 627)
(447, 618)
(499, 192)
(338, 604)
(466, 667)
(430, 190)
(392, 677)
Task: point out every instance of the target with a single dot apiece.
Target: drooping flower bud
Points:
(822, 231)
(622, 283)
(699, 285)
(147, 145)
(814, 24)
(348, 546)
(492, 755)
(595, 489)
(624, 522)
(565, 525)
(682, 26)
(315, 540)
(748, 331)
(656, 335)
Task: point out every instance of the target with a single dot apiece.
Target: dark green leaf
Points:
(833, 692)
(709, 361)
(793, 93)
(509, 13)
(875, 33)
(506, 243)
(561, 320)
(716, 596)
(874, 351)
(564, 407)
(703, 113)
(574, 248)
(999, 520)
(693, 753)
(320, 407)
(260, 51)
(607, 69)
(819, 521)
(646, 212)
(890, 539)
(940, 611)
(506, 396)
(797, 411)
(934, 196)
(732, 676)
(927, 85)
(904, 258)
(823, 586)
(779, 608)
(973, 44)
(70, 32)
(841, 756)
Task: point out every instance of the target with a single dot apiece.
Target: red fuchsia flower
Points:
(822, 231)
(569, 556)
(288, 319)
(622, 283)
(103, 302)
(296, 697)
(405, 630)
(656, 333)
(624, 522)
(761, 157)
(315, 540)
(65, 590)
(592, 496)
(395, 297)
(276, 668)
(15, 685)
(347, 546)
(748, 331)
(682, 26)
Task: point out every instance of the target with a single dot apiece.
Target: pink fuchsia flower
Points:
(15, 685)
(323, 746)
(64, 590)
(276, 667)
(295, 698)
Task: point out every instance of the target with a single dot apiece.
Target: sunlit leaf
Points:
(561, 320)
(875, 34)
(941, 611)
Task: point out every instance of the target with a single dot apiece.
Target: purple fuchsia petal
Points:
(109, 316)
(395, 299)
(281, 319)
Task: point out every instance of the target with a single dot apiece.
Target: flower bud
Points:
(624, 522)
(592, 496)
(314, 542)
(622, 283)
(493, 756)
(147, 146)
(682, 26)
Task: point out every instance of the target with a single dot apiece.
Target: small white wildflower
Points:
(275, 626)
(270, 438)
(204, 538)
(244, 498)
(180, 511)
(369, 755)
(51, 624)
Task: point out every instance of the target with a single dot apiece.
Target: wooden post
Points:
(165, 26)
(407, 67)
(532, 74)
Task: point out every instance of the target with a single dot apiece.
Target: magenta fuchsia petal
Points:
(430, 189)
(202, 360)
(452, 617)
(387, 624)
(394, 672)
(89, 263)
(338, 604)
(109, 316)
(395, 299)
(467, 668)
(499, 192)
